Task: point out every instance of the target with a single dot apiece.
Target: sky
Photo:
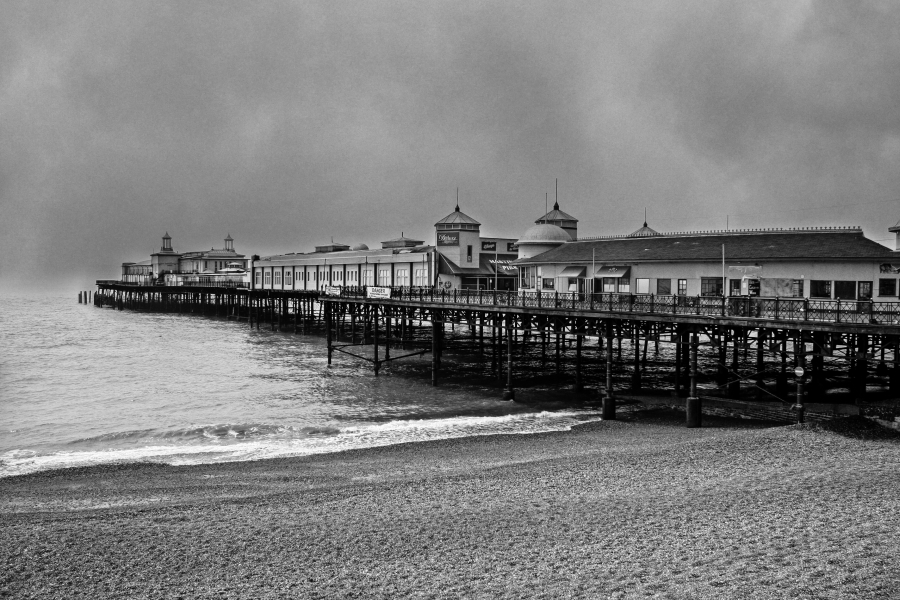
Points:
(289, 123)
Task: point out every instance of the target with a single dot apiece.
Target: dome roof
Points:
(544, 233)
(359, 247)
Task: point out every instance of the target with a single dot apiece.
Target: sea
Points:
(81, 385)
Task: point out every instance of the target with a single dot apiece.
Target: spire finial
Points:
(457, 199)
(556, 202)
(645, 216)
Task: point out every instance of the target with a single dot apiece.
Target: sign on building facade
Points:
(448, 238)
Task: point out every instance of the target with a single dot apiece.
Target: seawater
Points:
(80, 385)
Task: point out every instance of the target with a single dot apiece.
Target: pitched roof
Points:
(644, 231)
(556, 215)
(755, 246)
(457, 217)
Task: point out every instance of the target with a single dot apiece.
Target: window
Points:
(609, 285)
(819, 289)
(268, 278)
(734, 287)
(797, 288)
(682, 287)
(641, 286)
(547, 283)
(384, 277)
(845, 290)
(420, 277)
(468, 253)
(624, 285)
(277, 277)
(527, 277)
(864, 290)
(288, 278)
(573, 284)
(887, 287)
(663, 286)
(257, 276)
(711, 286)
(402, 277)
(338, 276)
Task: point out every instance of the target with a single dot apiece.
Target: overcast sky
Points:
(287, 123)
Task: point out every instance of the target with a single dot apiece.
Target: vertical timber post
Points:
(435, 348)
(608, 410)
(328, 325)
(579, 338)
(375, 308)
(510, 393)
(799, 350)
(693, 405)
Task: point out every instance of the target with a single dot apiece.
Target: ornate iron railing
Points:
(778, 309)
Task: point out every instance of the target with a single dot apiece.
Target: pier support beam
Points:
(579, 338)
(636, 347)
(435, 347)
(510, 393)
(734, 377)
(693, 406)
(375, 336)
(608, 410)
(800, 350)
(328, 324)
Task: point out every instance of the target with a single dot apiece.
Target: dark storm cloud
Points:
(284, 123)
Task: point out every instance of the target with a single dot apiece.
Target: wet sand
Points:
(640, 507)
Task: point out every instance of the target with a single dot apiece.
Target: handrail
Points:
(775, 309)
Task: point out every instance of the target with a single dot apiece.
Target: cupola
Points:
(561, 219)
(166, 243)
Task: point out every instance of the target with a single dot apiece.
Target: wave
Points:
(203, 444)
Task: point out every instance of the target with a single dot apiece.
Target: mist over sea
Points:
(81, 385)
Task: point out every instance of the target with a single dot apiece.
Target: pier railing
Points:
(777, 309)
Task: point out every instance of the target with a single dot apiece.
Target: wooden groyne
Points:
(781, 352)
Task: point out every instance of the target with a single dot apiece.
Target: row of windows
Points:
(401, 277)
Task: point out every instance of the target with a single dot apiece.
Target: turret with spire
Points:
(561, 219)
(644, 231)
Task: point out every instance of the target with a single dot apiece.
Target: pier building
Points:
(819, 263)
(460, 258)
(216, 265)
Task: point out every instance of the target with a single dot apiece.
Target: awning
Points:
(613, 271)
(573, 272)
(501, 264)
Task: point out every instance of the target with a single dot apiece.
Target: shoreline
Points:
(626, 508)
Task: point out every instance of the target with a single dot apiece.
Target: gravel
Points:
(640, 507)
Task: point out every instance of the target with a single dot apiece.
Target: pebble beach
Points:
(640, 507)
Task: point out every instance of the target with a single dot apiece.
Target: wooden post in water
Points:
(693, 407)
(760, 362)
(579, 337)
(387, 332)
(636, 347)
(510, 393)
(734, 378)
(799, 350)
(375, 335)
(608, 411)
(328, 324)
(435, 347)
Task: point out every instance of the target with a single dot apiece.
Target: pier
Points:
(784, 354)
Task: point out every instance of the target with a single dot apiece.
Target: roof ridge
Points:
(712, 232)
